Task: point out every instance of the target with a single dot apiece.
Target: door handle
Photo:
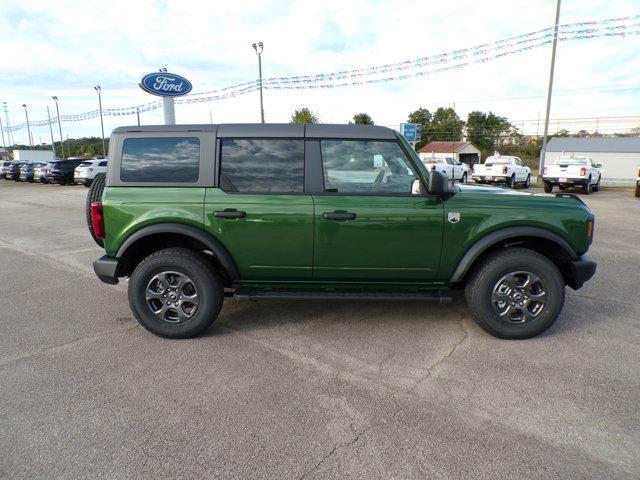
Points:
(229, 214)
(338, 216)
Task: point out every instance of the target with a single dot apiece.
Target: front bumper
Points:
(579, 271)
(106, 269)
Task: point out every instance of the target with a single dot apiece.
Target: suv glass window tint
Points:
(85, 164)
(102, 164)
(262, 165)
(364, 166)
(161, 159)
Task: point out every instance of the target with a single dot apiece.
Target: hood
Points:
(492, 190)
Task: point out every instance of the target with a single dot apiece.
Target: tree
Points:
(422, 117)
(304, 115)
(362, 119)
(445, 126)
(485, 130)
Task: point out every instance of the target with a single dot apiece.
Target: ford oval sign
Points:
(165, 84)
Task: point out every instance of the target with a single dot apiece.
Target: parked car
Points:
(322, 212)
(638, 183)
(502, 169)
(87, 170)
(39, 173)
(13, 172)
(62, 171)
(27, 171)
(571, 171)
(4, 167)
(449, 166)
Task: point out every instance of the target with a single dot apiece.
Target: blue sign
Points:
(409, 131)
(165, 84)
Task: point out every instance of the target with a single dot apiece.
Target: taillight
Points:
(639, 172)
(504, 170)
(433, 168)
(544, 171)
(97, 220)
(583, 171)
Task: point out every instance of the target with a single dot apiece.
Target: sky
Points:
(65, 48)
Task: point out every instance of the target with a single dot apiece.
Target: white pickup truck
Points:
(502, 169)
(569, 171)
(449, 166)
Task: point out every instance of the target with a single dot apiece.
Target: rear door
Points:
(369, 227)
(260, 211)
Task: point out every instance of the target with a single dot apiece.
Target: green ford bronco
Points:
(192, 214)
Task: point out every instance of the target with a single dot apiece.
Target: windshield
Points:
(571, 161)
(497, 161)
(414, 156)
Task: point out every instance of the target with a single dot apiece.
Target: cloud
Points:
(66, 47)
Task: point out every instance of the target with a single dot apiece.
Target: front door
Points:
(260, 213)
(369, 227)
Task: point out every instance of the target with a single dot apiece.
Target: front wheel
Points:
(176, 293)
(586, 188)
(515, 293)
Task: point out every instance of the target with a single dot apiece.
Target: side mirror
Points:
(438, 183)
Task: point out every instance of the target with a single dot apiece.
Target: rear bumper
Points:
(493, 178)
(580, 270)
(106, 269)
(565, 181)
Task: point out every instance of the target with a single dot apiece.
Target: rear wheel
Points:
(548, 187)
(94, 195)
(586, 188)
(527, 182)
(596, 187)
(464, 177)
(176, 293)
(515, 293)
(511, 181)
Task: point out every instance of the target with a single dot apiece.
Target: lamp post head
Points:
(258, 47)
(97, 88)
(24, 105)
(55, 98)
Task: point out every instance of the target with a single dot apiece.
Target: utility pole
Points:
(138, 114)
(6, 117)
(98, 89)
(26, 114)
(543, 152)
(55, 99)
(53, 145)
(259, 47)
(2, 130)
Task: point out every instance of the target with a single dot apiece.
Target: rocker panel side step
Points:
(441, 296)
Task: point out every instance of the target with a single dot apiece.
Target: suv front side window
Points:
(170, 159)
(366, 167)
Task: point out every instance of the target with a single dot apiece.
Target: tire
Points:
(527, 182)
(87, 183)
(464, 178)
(596, 187)
(637, 190)
(548, 187)
(586, 188)
(486, 278)
(203, 280)
(511, 182)
(94, 195)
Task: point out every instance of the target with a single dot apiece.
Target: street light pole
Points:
(53, 145)
(55, 99)
(4, 145)
(98, 89)
(543, 152)
(259, 47)
(26, 114)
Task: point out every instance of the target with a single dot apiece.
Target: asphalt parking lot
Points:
(306, 390)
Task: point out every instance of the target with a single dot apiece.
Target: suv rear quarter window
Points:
(160, 159)
(262, 165)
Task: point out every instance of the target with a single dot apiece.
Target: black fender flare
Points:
(212, 243)
(494, 237)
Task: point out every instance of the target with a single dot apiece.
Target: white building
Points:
(465, 152)
(619, 156)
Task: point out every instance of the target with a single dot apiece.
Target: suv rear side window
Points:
(166, 159)
(365, 166)
(262, 165)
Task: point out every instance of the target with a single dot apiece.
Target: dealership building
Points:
(465, 152)
(619, 156)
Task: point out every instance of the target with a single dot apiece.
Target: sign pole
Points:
(169, 109)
